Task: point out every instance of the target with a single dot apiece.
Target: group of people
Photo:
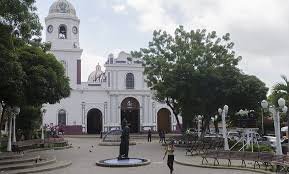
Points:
(162, 135)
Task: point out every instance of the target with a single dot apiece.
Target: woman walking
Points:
(170, 152)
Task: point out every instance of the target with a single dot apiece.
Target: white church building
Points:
(108, 96)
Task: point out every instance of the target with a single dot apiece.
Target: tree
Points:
(195, 53)
(11, 71)
(29, 76)
(195, 72)
(45, 80)
(21, 17)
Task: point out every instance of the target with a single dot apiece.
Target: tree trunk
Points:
(175, 114)
(178, 121)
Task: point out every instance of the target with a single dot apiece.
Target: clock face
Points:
(50, 29)
(75, 30)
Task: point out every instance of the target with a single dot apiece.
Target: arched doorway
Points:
(94, 121)
(62, 117)
(130, 111)
(164, 120)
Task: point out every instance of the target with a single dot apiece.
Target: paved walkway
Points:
(83, 161)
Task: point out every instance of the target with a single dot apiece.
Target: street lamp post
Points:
(264, 104)
(215, 123)
(199, 124)
(43, 111)
(9, 131)
(16, 111)
(223, 112)
(276, 116)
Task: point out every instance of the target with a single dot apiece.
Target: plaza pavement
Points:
(83, 161)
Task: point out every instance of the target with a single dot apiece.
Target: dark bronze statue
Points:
(124, 143)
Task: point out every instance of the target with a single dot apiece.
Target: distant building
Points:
(108, 96)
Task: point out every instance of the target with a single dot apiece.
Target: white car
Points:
(269, 140)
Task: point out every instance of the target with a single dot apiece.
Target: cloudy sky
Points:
(259, 28)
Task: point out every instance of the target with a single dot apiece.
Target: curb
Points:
(223, 167)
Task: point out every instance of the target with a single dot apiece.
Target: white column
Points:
(118, 110)
(42, 127)
(14, 129)
(110, 110)
(277, 132)
(9, 135)
(143, 111)
(114, 108)
(149, 111)
(6, 127)
(226, 145)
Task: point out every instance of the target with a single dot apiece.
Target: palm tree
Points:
(282, 90)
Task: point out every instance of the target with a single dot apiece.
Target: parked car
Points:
(268, 140)
(232, 135)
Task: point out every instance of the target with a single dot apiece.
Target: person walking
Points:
(164, 136)
(160, 135)
(170, 152)
(149, 136)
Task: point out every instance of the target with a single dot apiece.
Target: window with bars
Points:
(129, 81)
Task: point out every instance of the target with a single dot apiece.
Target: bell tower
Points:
(62, 31)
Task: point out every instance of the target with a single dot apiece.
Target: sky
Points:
(259, 28)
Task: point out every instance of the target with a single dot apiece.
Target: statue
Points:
(124, 143)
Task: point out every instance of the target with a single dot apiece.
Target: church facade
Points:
(107, 97)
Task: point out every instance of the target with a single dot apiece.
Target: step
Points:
(11, 155)
(28, 164)
(18, 160)
(50, 167)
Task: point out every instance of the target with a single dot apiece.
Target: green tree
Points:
(11, 71)
(21, 17)
(195, 72)
(45, 80)
(29, 76)
(193, 52)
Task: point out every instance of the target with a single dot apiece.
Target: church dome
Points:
(95, 75)
(62, 7)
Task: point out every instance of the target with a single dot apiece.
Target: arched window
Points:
(62, 33)
(129, 81)
(62, 117)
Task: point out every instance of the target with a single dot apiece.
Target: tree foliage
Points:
(11, 78)
(45, 80)
(21, 17)
(195, 72)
